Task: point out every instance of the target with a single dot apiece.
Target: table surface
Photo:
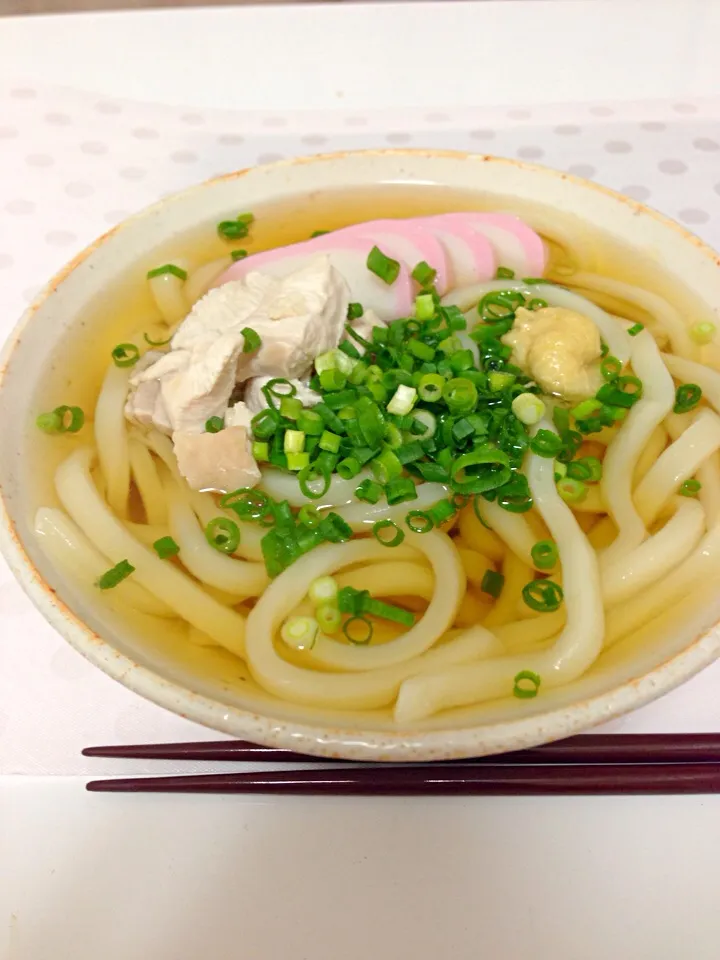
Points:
(83, 876)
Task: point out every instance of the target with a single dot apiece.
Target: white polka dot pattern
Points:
(71, 166)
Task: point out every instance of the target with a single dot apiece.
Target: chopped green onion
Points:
(386, 466)
(383, 267)
(369, 491)
(536, 303)
(330, 441)
(214, 425)
(441, 512)
(273, 392)
(572, 491)
(63, 419)
(354, 311)
(430, 388)
(504, 273)
(635, 329)
(528, 408)
(300, 633)
(309, 516)
(492, 583)
(168, 268)
(246, 503)
(358, 630)
(544, 554)
(238, 255)
(543, 596)
(115, 575)
(499, 380)
(290, 408)
(690, 488)
(348, 468)
(310, 423)
(264, 424)
(420, 350)
(294, 441)
(156, 343)
(125, 355)
(323, 590)
(309, 475)
(166, 547)
(419, 521)
(235, 229)
(610, 368)
(425, 419)
(402, 401)
(482, 469)
(424, 274)
(252, 340)
(318, 233)
(261, 451)
(687, 397)
(587, 408)
(588, 469)
(621, 392)
(424, 306)
(460, 394)
(383, 533)
(223, 534)
(703, 333)
(400, 490)
(328, 618)
(298, 460)
(521, 690)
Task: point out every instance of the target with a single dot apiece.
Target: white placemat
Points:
(72, 165)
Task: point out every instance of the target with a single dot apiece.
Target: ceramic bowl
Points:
(209, 686)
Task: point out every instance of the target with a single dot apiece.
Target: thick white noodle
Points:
(168, 292)
(512, 528)
(677, 463)
(111, 437)
(200, 280)
(369, 688)
(708, 474)
(164, 580)
(203, 503)
(687, 371)
(438, 617)
(574, 650)
(148, 482)
(611, 329)
(657, 555)
(361, 515)
(241, 578)
(666, 315)
(71, 552)
(632, 437)
(516, 574)
(147, 533)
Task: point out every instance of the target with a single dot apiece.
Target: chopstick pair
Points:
(586, 764)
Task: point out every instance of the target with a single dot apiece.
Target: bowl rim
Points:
(312, 738)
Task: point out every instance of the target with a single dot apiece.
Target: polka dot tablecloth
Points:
(72, 165)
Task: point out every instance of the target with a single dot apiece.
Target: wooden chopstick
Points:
(584, 749)
(481, 780)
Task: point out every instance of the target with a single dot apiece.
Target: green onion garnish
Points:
(504, 273)
(492, 583)
(369, 491)
(388, 533)
(536, 303)
(328, 618)
(62, 419)
(528, 408)
(544, 554)
(354, 311)
(238, 255)
(621, 392)
(111, 578)
(703, 333)
(316, 475)
(261, 451)
(610, 368)
(521, 688)
(690, 488)
(156, 343)
(166, 547)
(424, 274)
(543, 595)
(572, 491)
(318, 233)
(484, 468)
(383, 267)
(214, 425)
(358, 630)
(323, 590)
(300, 633)
(400, 490)
(252, 340)
(441, 511)
(419, 521)
(687, 397)
(125, 355)
(635, 329)
(236, 229)
(168, 268)
(223, 534)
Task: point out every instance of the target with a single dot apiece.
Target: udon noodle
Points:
(497, 596)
